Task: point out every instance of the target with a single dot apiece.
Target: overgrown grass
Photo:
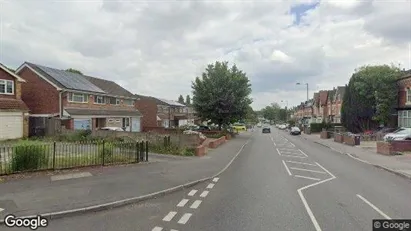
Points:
(92, 160)
(29, 155)
(172, 150)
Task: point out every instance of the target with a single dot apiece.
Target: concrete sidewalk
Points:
(400, 164)
(96, 186)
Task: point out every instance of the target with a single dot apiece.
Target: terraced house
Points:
(78, 101)
(337, 103)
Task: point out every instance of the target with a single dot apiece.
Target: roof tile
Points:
(13, 104)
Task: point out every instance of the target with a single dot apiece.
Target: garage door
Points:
(11, 125)
(82, 124)
(135, 124)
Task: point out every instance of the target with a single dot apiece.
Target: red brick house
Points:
(317, 117)
(337, 102)
(80, 101)
(323, 109)
(404, 100)
(13, 111)
(330, 106)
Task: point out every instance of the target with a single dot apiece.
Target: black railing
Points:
(37, 155)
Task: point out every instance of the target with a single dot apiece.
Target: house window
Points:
(126, 122)
(98, 99)
(6, 86)
(117, 101)
(112, 100)
(408, 95)
(129, 102)
(404, 119)
(78, 98)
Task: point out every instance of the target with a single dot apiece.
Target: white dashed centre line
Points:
(192, 192)
(204, 194)
(292, 144)
(195, 204)
(169, 216)
(308, 170)
(210, 185)
(184, 218)
(374, 207)
(216, 179)
(296, 162)
(279, 153)
(157, 228)
(173, 230)
(182, 203)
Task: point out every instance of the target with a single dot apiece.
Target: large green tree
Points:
(181, 99)
(275, 113)
(222, 94)
(188, 100)
(251, 116)
(370, 97)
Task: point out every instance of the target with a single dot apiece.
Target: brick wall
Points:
(6, 76)
(349, 140)
(339, 138)
(324, 135)
(39, 96)
(390, 148)
(148, 108)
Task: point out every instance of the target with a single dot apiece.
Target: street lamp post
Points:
(286, 109)
(307, 88)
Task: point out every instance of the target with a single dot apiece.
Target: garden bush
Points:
(106, 149)
(29, 155)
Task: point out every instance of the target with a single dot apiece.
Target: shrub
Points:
(106, 149)
(29, 155)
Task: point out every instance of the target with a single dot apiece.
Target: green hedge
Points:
(318, 127)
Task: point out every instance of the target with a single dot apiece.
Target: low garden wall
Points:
(217, 142)
(349, 140)
(339, 138)
(392, 147)
(201, 150)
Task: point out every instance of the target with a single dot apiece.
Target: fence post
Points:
(146, 150)
(103, 153)
(169, 140)
(165, 141)
(54, 155)
(137, 153)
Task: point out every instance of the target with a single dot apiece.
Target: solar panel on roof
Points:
(170, 102)
(71, 80)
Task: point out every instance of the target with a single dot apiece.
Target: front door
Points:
(135, 124)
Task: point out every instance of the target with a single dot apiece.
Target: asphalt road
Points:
(279, 182)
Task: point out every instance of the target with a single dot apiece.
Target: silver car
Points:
(399, 134)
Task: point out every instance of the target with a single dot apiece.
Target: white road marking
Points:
(70, 176)
(210, 185)
(169, 216)
(285, 148)
(374, 207)
(306, 177)
(204, 194)
(195, 204)
(307, 207)
(182, 203)
(364, 161)
(215, 179)
(292, 144)
(286, 167)
(285, 139)
(157, 228)
(192, 192)
(296, 162)
(308, 170)
(278, 152)
(302, 152)
(184, 218)
(1, 210)
(294, 156)
(274, 143)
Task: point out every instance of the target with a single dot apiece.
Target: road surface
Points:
(278, 182)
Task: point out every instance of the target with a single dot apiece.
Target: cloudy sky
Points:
(158, 47)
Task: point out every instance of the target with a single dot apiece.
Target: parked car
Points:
(239, 127)
(399, 134)
(112, 129)
(295, 131)
(203, 128)
(266, 130)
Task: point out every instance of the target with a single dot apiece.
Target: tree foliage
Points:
(72, 70)
(370, 97)
(274, 113)
(181, 99)
(252, 116)
(188, 100)
(222, 94)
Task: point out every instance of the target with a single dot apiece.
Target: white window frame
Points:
(118, 101)
(126, 122)
(5, 82)
(404, 118)
(71, 96)
(408, 95)
(128, 100)
(96, 99)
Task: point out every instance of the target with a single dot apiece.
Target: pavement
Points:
(94, 187)
(367, 153)
(277, 182)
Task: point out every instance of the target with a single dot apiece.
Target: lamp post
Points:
(286, 108)
(307, 88)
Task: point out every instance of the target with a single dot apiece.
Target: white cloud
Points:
(158, 48)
